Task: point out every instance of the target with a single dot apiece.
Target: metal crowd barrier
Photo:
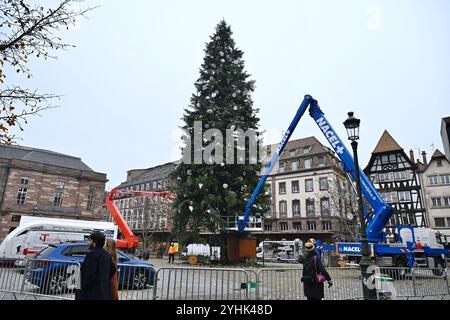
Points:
(136, 282)
(45, 279)
(185, 283)
(285, 284)
(38, 279)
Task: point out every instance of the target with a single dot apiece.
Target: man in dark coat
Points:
(312, 289)
(96, 271)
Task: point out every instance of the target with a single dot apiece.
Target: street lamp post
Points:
(352, 127)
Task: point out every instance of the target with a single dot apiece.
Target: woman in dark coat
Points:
(312, 289)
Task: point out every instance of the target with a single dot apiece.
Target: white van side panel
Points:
(16, 241)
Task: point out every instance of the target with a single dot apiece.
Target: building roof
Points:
(316, 147)
(437, 154)
(386, 144)
(13, 152)
(151, 174)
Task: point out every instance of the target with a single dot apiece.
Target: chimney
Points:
(411, 155)
(424, 157)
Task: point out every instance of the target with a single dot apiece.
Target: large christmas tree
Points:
(218, 187)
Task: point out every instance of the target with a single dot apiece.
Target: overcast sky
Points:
(125, 85)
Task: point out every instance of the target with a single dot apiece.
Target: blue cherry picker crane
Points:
(406, 252)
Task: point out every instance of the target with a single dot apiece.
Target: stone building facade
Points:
(435, 181)
(149, 217)
(35, 182)
(396, 178)
(310, 194)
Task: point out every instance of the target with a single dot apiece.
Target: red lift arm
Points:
(130, 241)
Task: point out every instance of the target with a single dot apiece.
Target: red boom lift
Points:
(129, 241)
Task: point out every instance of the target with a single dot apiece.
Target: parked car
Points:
(53, 269)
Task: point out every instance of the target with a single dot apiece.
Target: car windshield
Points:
(46, 251)
(122, 255)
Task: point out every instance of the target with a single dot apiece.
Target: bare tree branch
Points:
(28, 30)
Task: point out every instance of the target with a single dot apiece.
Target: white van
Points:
(279, 251)
(204, 250)
(34, 234)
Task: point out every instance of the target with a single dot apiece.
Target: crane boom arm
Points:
(300, 112)
(130, 240)
(382, 211)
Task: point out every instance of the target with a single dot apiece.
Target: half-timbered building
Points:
(395, 176)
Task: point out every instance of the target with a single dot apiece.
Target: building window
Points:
(297, 226)
(57, 199)
(295, 186)
(306, 150)
(267, 227)
(154, 184)
(91, 199)
(309, 186)
(15, 218)
(282, 167)
(321, 161)
(392, 158)
(311, 225)
(446, 201)
(269, 151)
(389, 197)
(433, 180)
(292, 152)
(323, 183)
(308, 163)
(310, 209)
(404, 196)
(326, 226)
(445, 179)
(60, 185)
(283, 226)
(282, 188)
(21, 195)
(24, 181)
(283, 208)
(325, 206)
(294, 165)
(436, 202)
(439, 162)
(295, 207)
(400, 175)
(439, 222)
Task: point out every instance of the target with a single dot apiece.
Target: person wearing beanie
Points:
(312, 265)
(96, 271)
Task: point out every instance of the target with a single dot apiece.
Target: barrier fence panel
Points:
(347, 284)
(179, 283)
(399, 279)
(279, 284)
(11, 278)
(50, 279)
(135, 282)
(430, 282)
